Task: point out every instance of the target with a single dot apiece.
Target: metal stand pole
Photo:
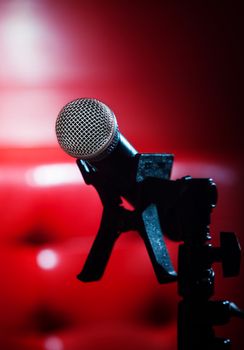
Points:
(197, 314)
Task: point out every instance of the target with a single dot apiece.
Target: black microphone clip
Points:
(146, 170)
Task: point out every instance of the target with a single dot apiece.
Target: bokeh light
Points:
(47, 259)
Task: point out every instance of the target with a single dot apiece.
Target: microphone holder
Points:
(181, 210)
(116, 219)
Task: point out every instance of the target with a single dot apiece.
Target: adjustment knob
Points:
(230, 251)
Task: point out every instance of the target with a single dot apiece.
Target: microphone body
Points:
(87, 130)
(118, 170)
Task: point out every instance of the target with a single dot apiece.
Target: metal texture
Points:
(87, 129)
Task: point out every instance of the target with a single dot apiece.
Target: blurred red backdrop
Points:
(172, 74)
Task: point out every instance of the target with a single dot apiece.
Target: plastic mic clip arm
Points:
(116, 219)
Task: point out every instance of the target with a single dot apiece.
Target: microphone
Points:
(87, 129)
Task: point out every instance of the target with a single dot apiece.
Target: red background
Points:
(172, 74)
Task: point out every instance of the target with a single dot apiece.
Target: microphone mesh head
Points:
(87, 129)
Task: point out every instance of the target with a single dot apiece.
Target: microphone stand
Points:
(182, 210)
(197, 314)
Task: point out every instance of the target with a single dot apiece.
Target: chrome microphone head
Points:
(87, 129)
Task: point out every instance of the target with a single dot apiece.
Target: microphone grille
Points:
(87, 129)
